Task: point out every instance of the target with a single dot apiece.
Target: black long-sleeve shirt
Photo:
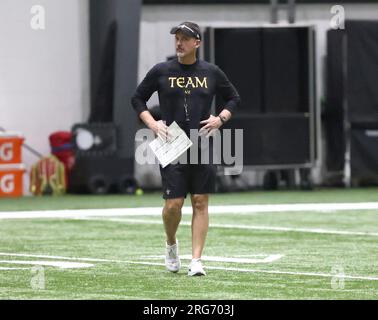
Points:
(177, 84)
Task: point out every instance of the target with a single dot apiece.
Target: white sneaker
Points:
(172, 260)
(196, 268)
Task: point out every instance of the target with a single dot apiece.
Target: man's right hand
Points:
(160, 129)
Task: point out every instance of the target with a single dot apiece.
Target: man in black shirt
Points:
(186, 87)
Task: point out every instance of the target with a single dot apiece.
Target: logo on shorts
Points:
(168, 191)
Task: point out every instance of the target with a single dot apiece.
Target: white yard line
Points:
(310, 274)
(59, 264)
(43, 256)
(156, 211)
(246, 227)
(303, 230)
(242, 209)
(268, 258)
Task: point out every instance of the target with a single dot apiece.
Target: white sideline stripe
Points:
(245, 227)
(267, 259)
(154, 211)
(1, 268)
(215, 268)
(59, 264)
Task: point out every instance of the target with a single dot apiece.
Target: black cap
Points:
(189, 28)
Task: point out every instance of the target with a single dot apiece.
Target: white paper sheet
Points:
(168, 151)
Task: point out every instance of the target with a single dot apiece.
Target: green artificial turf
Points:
(122, 249)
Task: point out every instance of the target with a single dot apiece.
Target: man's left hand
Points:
(212, 124)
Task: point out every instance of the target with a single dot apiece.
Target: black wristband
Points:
(223, 120)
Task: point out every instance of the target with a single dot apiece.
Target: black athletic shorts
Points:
(180, 179)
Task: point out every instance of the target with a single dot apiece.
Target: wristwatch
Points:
(222, 119)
